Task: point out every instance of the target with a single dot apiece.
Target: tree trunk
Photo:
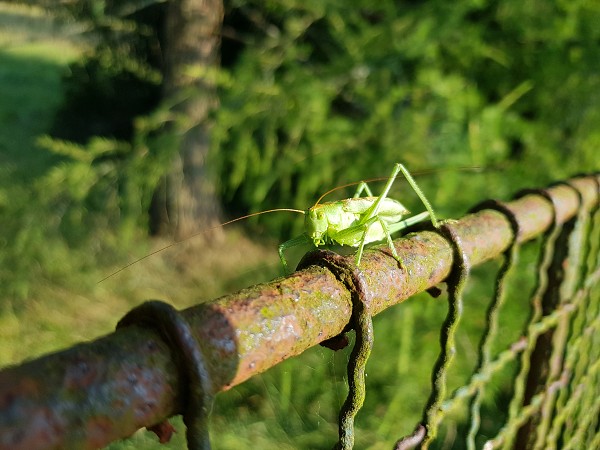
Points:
(186, 202)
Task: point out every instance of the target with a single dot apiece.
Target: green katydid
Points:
(354, 222)
(359, 220)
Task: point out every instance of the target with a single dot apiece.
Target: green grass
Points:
(54, 301)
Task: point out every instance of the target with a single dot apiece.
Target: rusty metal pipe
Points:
(97, 392)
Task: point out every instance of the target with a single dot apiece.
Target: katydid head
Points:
(316, 224)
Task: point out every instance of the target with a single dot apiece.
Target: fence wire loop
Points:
(491, 326)
(521, 392)
(432, 414)
(174, 329)
(362, 323)
(534, 420)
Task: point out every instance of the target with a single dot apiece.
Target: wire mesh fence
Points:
(161, 362)
(555, 391)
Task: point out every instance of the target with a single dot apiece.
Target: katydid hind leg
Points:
(419, 192)
(408, 222)
(374, 209)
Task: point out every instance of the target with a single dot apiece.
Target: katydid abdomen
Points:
(328, 223)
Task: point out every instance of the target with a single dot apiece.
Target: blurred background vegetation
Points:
(311, 94)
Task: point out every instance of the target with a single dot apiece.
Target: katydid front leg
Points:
(294, 242)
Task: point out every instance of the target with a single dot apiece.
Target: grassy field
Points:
(32, 58)
(50, 298)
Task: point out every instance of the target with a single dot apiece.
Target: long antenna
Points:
(197, 234)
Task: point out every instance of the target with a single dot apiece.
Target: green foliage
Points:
(317, 94)
(31, 58)
(62, 203)
(106, 143)
(109, 179)
(110, 124)
(327, 91)
(104, 94)
(119, 79)
(106, 150)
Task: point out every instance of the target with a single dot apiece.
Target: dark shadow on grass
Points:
(30, 88)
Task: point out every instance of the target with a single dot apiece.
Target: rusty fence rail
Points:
(161, 362)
